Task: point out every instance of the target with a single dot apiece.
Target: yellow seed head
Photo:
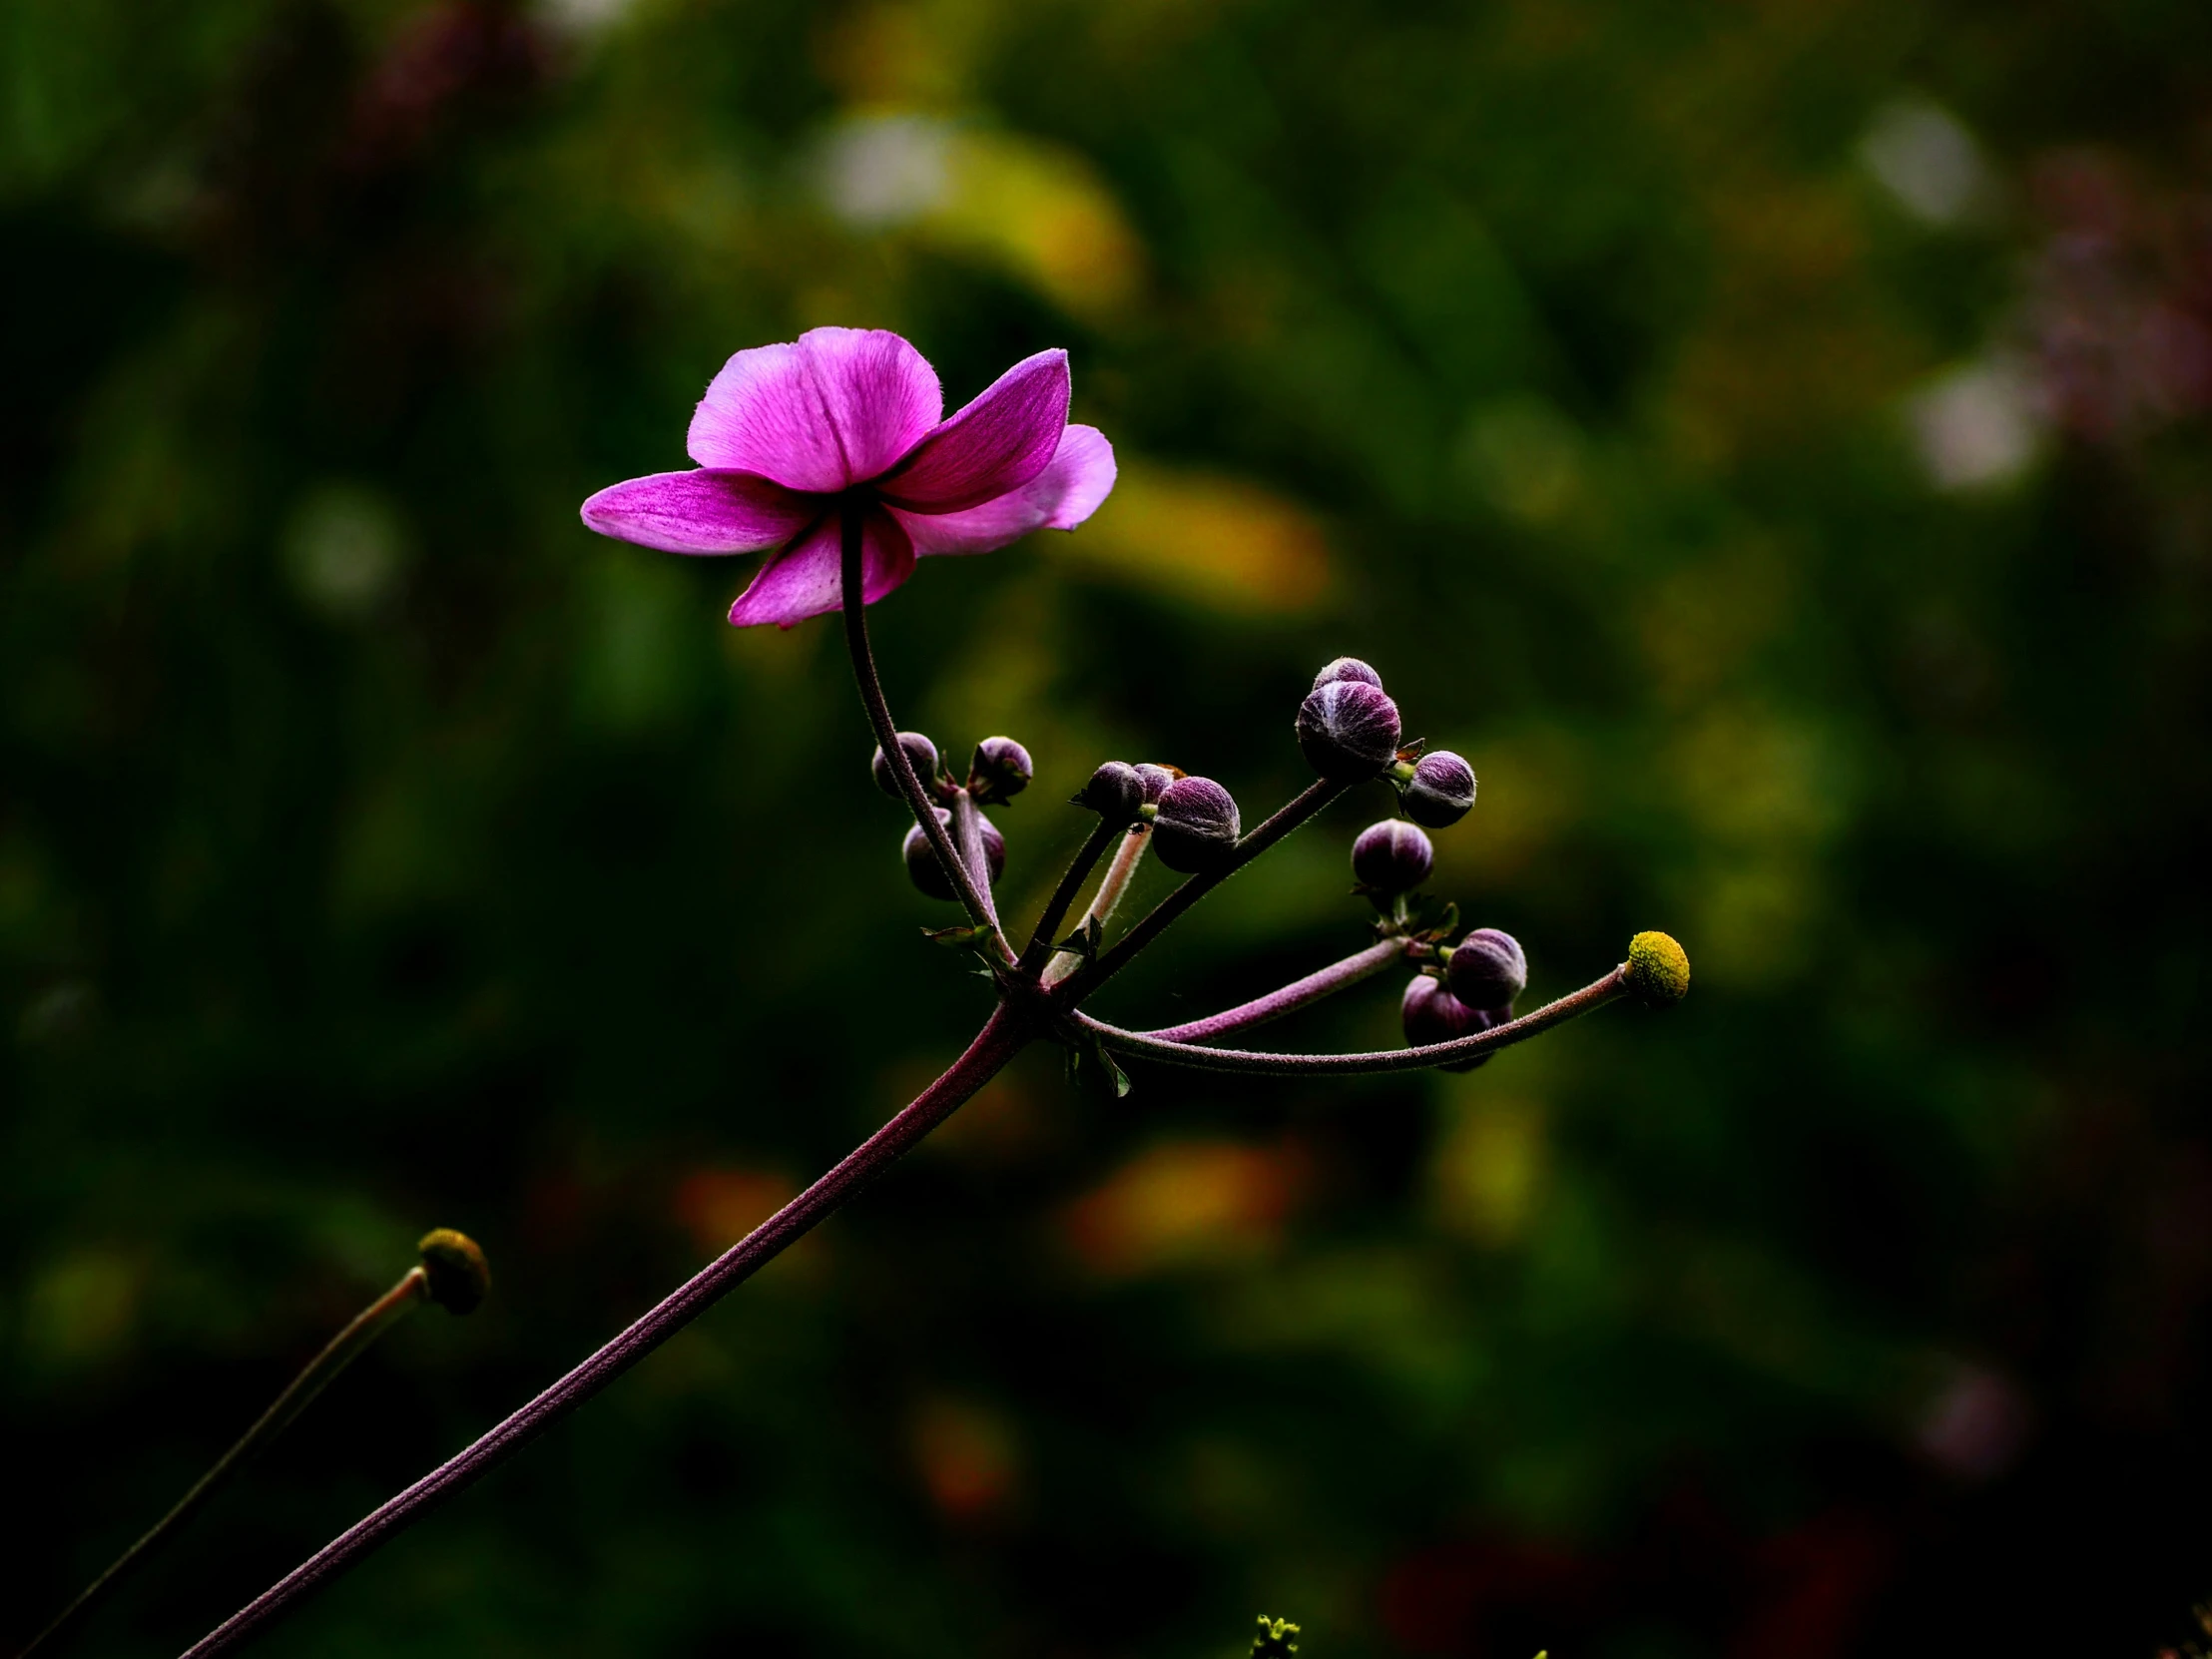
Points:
(460, 1277)
(1658, 970)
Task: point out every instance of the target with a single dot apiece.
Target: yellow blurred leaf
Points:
(1221, 542)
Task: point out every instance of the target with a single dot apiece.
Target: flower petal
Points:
(1060, 497)
(835, 408)
(707, 511)
(803, 580)
(997, 443)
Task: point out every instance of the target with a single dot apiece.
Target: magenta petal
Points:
(803, 581)
(835, 408)
(1060, 497)
(997, 443)
(707, 511)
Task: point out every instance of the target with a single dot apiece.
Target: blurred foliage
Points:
(1768, 438)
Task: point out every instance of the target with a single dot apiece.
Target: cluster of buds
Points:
(998, 771)
(1348, 729)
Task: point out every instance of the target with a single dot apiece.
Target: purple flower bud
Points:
(1391, 857)
(1347, 668)
(1156, 780)
(1431, 1014)
(1195, 826)
(1487, 969)
(928, 874)
(921, 754)
(1441, 790)
(1348, 730)
(999, 771)
(1114, 793)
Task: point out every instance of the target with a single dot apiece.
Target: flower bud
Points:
(1348, 730)
(930, 875)
(1195, 825)
(1391, 857)
(921, 754)
(1347, 668)
(456, 1275)
(1115, 792)
(1441, 790)
(999, 771)
(1487, 969)
(1431, 1014)
(1156, 780)
(1658, 970)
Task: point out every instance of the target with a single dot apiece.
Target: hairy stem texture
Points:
(850, 575)
(1071, 883)
(1302, 806)
(1297, 994)
(1160, 1048)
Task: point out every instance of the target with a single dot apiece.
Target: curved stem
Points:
(1302, 806)
(1297, 994)
(319, 1372)
(1071, 883)
(852, 578)
(1389, 1059)
(1004, 1035)
(967, 834)
(1107, 899)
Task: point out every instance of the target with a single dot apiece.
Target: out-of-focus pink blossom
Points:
(2119, 307)
(788, 433)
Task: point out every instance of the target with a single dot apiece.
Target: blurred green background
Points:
(1768, 438)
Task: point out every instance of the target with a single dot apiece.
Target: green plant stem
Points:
(1004, 1035)
(340, 1352)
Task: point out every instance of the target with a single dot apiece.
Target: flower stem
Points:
(851, 577)
(1301, 806)
(1297, 994)
(1160, 1048)
(1071, 883)
(1004, 1035)
(967, 834)
(365, 1326)
(1107, 899)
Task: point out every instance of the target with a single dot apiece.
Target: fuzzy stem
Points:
(1107, 899)
(1071, 883)
(967, 834)
(851, 577)
(1004, 1035)
(1302, 806)
(1297, 994)
(365, 1326)
(1392, 1059)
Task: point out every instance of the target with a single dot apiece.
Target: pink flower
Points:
(785, 432)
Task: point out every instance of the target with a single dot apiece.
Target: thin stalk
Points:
(1107, 899)
(1071, 883)
(850, 577)
(1004, 1035)
(1297, 994)
(967, 834)
(321, 1372)
(1590, 997)
(1302, 806)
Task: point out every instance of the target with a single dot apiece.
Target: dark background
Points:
(1767, 437)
